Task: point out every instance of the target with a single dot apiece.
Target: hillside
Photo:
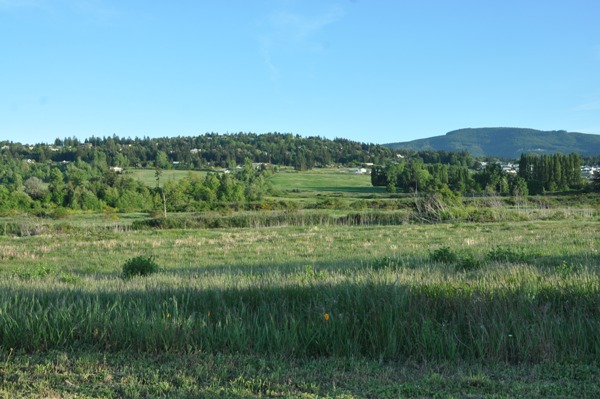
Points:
(507, 142)
(208, 150)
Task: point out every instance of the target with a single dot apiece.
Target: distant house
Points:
(117, 169)
(587, 172)
(257, 165)
(510, 168)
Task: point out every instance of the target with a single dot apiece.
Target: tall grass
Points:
(275, 219)
(313, 291)
(511, 313)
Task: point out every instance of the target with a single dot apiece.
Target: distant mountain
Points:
(507, 142)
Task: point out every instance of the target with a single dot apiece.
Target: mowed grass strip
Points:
(79, 374)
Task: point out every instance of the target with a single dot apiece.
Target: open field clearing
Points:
(323, 180)
(304, 311)
(328, 187)
(326, 180)
(148, 176)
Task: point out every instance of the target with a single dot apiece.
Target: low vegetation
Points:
(488, 294)
(256, 284)
(140, 266)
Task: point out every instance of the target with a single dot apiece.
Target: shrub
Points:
(140, 266)
(565, 269)
(387, 263)
(511, 255)
(311, 274)
(469, 262)
(60, 213)
(444, 255)
(463, 261)
(38, 272)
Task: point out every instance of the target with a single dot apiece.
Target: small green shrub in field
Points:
(387, 263)
(140, 266)
(60, 213)
(469, 262)
(37, 272)
(444, 255)
(565, 269)
(507, 254)
(463, 261)
(68, 278)
(311, 274)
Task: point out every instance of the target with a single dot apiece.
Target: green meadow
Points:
(148, 176)
(329, 180)
(303, 311)
(328, 303)
(325, 181)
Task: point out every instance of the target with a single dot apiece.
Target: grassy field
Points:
(325, 180)
(59, 374)
(148, 176)
(310, 182)
(446, 310)
(334, 301)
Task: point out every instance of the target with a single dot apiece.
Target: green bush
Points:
(140, 266)
(463, 261)
(469, 262)
(311, 274)
(510, 255)
(384, 263)
(565, 269)
(444, 255)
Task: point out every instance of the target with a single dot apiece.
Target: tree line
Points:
(82, 175)
(537, 174)
(208, 150)
(555, 172)
(70, 174)
(46, 187)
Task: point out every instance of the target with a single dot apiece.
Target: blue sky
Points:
(368, 70)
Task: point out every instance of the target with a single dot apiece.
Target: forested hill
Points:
(507, 142)
(208, 150)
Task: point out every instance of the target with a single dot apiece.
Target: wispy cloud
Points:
(265, 46)
(300, 27)
(289, 29)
